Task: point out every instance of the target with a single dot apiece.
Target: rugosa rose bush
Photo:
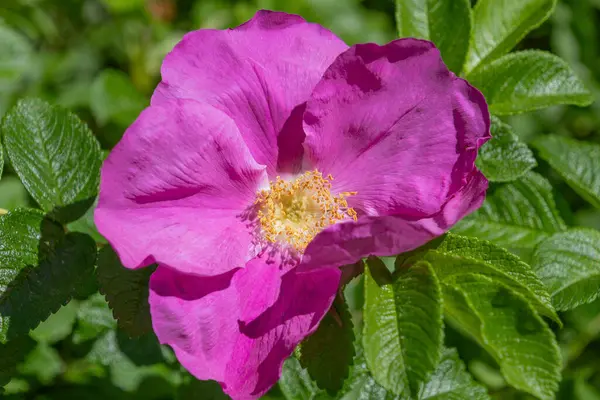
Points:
(271, 155)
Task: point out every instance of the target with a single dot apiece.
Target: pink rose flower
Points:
(271, 155)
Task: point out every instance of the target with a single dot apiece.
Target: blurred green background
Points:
(101, 58)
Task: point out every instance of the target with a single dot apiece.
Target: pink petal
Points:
(348, 242)
(392, 123)
(257, 73)
(200, 319)
(175, 188)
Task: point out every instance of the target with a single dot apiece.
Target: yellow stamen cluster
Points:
(293, 212)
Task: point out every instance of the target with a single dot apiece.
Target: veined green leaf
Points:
(403, 329)
(456, 255)
(447, 23)
(295, 383)
(518, 215)
(40, 269)
(327, 354)
(577, 162)
(504, 158)
(508, 328)
(126, 292)
(569, 264)
(55, 155)
(529, 80)
(498, 25)
(449, 381)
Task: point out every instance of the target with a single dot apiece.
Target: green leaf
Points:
(55, 155)
(508, 328)
(518, 215)
(86, 225)
(529, 80)
(447, 23)
(12, 193)
(44, 363)
(296, 384)
(209, 390)
(456, 255)
(126, 292)
(40, 268)
(327, 354)
(451, 381)
(577, 162)
(94, 317)
(123, 5)
(498, 25)
(113, 98)
(11, 354)
(1, 158)
(569, 264)
(504, 158)
(15, 59)
(58, 325)
(403, 329)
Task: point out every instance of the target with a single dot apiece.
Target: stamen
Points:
(292, 213)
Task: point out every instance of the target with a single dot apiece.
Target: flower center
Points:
(293, 212)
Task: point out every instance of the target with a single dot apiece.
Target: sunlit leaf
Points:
(403, 329)
(498, 25)
(447, 23)
(508, 328)
(504, 158)
(569, 264)
(55, 155)
(518, 215)
(529, 80)
(577, 162)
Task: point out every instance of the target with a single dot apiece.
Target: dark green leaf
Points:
(403, 329)
(41, 267)
(569, 264)
(518, 215)
(577, 162)
(193, 389)
(504, 158)
(295, 383)
(11, 354)
(498, 25)
(55, 155)
(86, 225)
(327, 354)
(527, 81)
(126, 292)
(115, 99)
(505, 325)
(447, 23)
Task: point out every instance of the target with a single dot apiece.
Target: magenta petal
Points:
(174, 190)
(200, 319)
(257, 73)
(392, 123)
(348, 242)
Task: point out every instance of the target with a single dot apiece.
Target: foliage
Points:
(506, 306)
